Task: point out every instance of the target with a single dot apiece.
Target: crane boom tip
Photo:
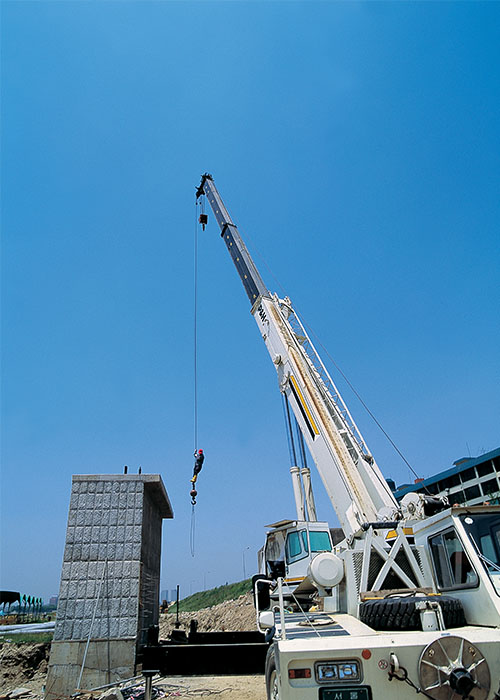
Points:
(199, 189)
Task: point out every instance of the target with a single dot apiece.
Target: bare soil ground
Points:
(25, 665)
(223, 687)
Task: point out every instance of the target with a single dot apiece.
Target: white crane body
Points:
(412, 593)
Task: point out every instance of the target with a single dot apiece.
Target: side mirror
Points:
(266, 620)
(261, 592)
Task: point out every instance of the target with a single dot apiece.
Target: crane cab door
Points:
(274, 554)
(302, 544)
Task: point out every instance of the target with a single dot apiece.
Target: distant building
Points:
(168, 594)
(53, 601)
(471, 481)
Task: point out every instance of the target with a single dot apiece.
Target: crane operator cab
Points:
(290, 547)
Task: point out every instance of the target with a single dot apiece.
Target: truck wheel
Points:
(401, 613)
(272, 684)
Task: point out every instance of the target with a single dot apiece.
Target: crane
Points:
(414, 588)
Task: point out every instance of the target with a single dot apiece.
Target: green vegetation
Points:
(205, 599)
(31, 638)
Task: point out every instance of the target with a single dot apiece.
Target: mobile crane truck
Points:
(409, 601)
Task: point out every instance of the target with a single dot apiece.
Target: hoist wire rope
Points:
(192, 530)
(195, 328)
(362, 402)
(339, 370)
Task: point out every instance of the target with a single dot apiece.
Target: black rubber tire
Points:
(271, 682)
(401, 613)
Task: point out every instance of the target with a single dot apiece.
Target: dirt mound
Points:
(230, 616)
(23, 665)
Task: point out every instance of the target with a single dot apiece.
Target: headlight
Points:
(342, 671)
(326, 672)
(349, 671)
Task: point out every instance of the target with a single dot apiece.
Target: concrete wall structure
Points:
(109, 592)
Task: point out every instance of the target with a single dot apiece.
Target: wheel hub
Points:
(462, 682)
(274, 686)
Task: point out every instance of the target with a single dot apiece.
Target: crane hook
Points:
(203, 220)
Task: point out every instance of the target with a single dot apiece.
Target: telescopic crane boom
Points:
(357, 490)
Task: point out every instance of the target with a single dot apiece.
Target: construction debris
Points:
(113, 694)
(17, 693)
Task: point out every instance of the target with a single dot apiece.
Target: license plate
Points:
(352, 693)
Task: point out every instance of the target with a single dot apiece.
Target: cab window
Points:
(451, 563)
(483, 530)
(296, 546)
(320, 541)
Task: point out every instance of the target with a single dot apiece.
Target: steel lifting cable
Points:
(195, 329)
(360, 399)
(195, 370)
(192, 531)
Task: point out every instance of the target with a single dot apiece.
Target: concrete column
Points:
(109, 592)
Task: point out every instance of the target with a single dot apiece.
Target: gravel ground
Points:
(223, 687)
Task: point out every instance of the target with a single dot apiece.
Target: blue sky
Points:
(357, 147)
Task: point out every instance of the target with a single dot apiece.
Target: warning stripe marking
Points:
(306, 413)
